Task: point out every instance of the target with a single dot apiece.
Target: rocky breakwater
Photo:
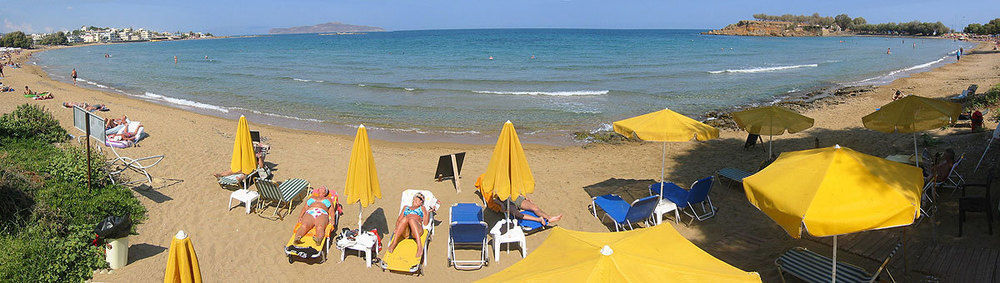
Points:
(771, 28)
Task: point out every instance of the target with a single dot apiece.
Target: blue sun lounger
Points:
(467, 228)
(621, 212)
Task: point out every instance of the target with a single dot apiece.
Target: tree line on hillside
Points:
(993, 27)
(860, 25)
(15, 39)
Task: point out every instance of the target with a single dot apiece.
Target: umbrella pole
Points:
(770, 138)
(833, 276)
(663, 160)
(916, 152)
(360, 208)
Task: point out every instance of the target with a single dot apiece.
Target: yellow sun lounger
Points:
(309, 248)
(404, 259)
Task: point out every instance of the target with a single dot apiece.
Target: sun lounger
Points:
(138, 164)
(467, 228)
(309, 248)
(403, 258)
(689, 198)
(278, 193)
(812, 267)
(734, 175)
(621, 212)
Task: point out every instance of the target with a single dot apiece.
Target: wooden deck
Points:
(958, 264)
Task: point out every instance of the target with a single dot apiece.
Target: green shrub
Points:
(31, 122)
(40, 254)
(16, 201)
(987, 99)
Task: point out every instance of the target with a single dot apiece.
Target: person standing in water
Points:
(175, 59)
(73, 74)
(958, 55)
(888, 50)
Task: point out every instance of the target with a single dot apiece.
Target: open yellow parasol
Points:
(244, 160)
(182, 262)
(665, 126)
(771, 121)
(834, 191)
(655, 254)
(912, 114)
(362, 180)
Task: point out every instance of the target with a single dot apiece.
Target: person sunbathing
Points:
(410, 223)
(317, 207)
(942, 168)
(28, 91)
(43, 97)
(516, 206)
(113, 123)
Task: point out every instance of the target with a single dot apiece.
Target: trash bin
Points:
(116, 252)
(114, 231)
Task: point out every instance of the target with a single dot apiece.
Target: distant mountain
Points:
(327, 27)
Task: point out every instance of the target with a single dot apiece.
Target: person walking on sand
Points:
(1, 70)
(958, 55)
(73, 74)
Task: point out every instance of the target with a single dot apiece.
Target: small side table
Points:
(663, 207)
(513, 235)
(244, 196)
(361, 246)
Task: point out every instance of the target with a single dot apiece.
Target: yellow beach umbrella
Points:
(912, 114)
(508, 175)
(771, 121)
(244, 160)
(665, 126)
(655, 254)
(834, 191)
(182, 262)
(362, 180)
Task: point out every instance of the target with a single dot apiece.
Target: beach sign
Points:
(450, 167)
(81, 118)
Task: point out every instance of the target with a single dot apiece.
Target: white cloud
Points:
(69, 7)
(11, 26)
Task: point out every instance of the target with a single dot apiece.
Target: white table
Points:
(513, 235)
(363, 244)
(663, 207)
(244, 196)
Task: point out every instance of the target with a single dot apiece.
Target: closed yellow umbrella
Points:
(771, 121)
(834, 191)
(244, 160)
(655, 254)
(665, 126)
(912, 114)
(362, 180)
(508, 175)
(182, 262)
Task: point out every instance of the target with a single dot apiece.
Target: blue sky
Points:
(257, 16)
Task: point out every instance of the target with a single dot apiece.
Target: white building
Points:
(74, 39)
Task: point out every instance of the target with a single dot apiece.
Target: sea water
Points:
(461, 85)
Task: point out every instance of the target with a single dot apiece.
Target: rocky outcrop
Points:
(774, 28)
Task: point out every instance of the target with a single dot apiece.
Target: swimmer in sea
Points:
(491, 57)
(888, 51)
(175, 59)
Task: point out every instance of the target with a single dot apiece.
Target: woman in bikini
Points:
(411, 224)
(316, 214)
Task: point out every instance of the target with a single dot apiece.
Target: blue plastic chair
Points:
(622, 213)
(467, 228)
(686, 199)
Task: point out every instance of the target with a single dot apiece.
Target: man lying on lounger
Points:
(516, 206)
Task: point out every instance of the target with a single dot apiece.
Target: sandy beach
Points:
(233, 246)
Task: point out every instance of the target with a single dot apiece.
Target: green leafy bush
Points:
(29, 121)
(988, 99)
(47, 210)
(41, 254)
